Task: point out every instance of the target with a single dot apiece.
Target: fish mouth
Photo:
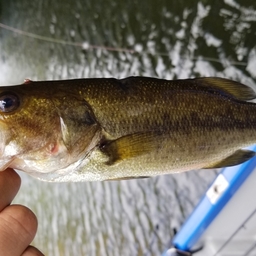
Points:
(5, 140)
(8, 149)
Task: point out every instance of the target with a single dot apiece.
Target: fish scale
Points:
(108, 129)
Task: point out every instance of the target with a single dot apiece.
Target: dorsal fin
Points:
(27, 81)
(237, 90)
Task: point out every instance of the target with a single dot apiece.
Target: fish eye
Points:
(9, 102)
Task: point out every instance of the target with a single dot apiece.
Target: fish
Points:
(103, 129)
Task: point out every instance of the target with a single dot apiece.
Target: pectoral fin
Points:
(239, 157)
(129, 146)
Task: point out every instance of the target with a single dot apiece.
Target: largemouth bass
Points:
(110, 129)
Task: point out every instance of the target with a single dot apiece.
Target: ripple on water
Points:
(131, 217)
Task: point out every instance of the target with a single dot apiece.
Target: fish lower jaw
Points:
(57, 175)
(5, 163)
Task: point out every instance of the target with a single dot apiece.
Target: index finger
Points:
(9, 187)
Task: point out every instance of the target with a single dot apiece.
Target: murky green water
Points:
(164, 38)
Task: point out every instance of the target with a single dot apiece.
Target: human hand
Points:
(18, 224)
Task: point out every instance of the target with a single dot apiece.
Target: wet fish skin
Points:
(106, 129)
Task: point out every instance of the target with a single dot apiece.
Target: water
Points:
(166, 39)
